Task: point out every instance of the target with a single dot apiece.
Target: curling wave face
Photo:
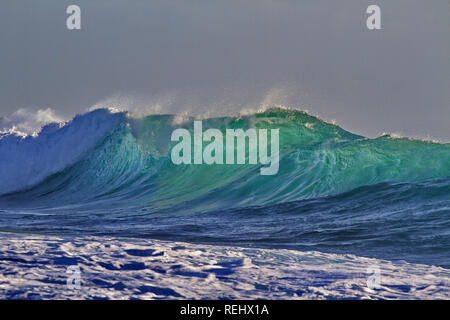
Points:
(107, 174)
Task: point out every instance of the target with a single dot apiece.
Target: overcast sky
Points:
(226, 55)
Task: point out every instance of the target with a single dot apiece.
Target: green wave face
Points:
(316, 159)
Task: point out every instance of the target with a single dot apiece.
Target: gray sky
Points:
(226, 55)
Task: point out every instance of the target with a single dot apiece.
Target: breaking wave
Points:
(106, 173)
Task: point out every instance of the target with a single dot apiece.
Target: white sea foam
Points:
(25, 122)
(35, 267)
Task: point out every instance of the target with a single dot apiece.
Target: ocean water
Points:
(104, 175)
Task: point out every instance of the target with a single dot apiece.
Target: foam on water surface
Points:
(35, 267)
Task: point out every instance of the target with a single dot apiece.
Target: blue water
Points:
(336, 192)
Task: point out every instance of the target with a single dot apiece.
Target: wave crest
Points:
(108, 155)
